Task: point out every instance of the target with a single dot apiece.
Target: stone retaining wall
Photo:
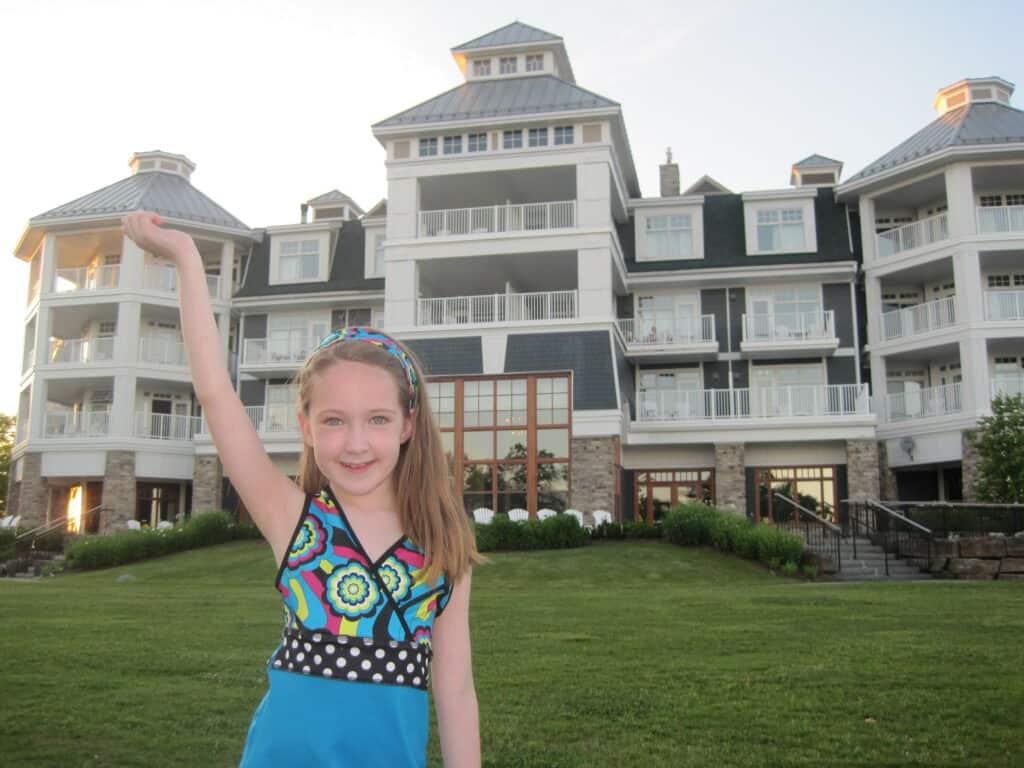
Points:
(978, 557)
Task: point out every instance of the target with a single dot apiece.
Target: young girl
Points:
(375, 552)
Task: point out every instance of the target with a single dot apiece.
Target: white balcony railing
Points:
(787, 327)
(160, 350)
(273, 419)
(1011, 384)
(919, 318)
(1001, 218)
(1004, 305)
(498, 308)
(92, 350)
(498, 218)
(923, 403)
(97, 278)
(764, 402)
(166, 426)
(288, 349)
(916, 234)
(78, 424)
(164, 278)
(668, 330)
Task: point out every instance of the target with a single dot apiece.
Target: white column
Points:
(403, 208)
(593, 195)
(133, 261)
(122, 411)
(44, 325)
(401, 290)
(594, 277)
(227, 263)
(129, 329)
(48, 265)
(37, 408)
(974, 390)
(869, 243)
(960, 200)
(970, 297)
(879, 391)
(873, 307)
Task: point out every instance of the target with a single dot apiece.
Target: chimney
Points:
(669, 176)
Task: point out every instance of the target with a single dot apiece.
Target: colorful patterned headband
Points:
(383, 341)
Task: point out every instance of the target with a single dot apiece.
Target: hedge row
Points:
(202, 530)
(700, 524)
(557, 532)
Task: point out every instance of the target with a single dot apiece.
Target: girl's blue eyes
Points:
(334, 421)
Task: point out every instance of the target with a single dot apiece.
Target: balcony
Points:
(94, 350)
(812, 400)
(496, 219)
(669, 336)
(165, 426)
(773, 335)
(78, 423)
(921, 318)
(1008, 384)
(924, 403)
(498, 308)
(287, 350)
(1004, 305)
(164, 278)
(916, 234)
(74, 279)
(278, 419)
(1000, 219)
(162, 351)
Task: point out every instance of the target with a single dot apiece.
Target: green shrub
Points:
(810, 571)
(7, 543)
(774, 564)
(690, 524)
(789, 568)
(608, 531)
(558, 532)
(561, 532)
(641, 531)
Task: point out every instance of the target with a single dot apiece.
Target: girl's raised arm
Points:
(272, 499)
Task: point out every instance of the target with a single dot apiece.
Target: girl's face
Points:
(356, 426)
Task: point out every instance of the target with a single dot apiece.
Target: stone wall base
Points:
(977, 557)
(207, 482)
(862, 470)
(595, 462)
(119, 500)
(969, 467)
(730, 478)
(31, 492)
(887, 488)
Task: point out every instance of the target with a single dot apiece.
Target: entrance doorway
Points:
(657, 491)
(813, 488)
(157, 502)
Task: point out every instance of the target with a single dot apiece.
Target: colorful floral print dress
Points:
(348, 683)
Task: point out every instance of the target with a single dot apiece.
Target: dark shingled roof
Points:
(510, 34)
(168, 194)
(493, 98)
(972, 125)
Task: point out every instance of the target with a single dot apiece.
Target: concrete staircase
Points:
(869, 564)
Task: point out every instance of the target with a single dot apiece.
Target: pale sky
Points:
(273, 101)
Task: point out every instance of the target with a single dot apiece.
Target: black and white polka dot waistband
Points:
(357, 659)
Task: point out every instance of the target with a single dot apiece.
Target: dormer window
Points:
(778, 223)
(477, 142)
(780, 229)
(512, 139)
(428, 147)
(535, 62)
(538, 137)
(453, 145)
(298, 261)
(508, 65)
(563, 134)
(482, 68)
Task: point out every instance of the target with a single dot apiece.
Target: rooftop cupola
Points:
(163, 162)
(515, 50)
(815, 171)
(974, 90)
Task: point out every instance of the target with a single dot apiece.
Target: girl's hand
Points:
(144, 228)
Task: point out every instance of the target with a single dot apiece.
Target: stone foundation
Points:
(594, 468)
(862, 470)
(887, 487)
(969, 467)
(730, 478)
(31, 493)
(207, 483)
(13, 496)
(978, 557)
(118, 491)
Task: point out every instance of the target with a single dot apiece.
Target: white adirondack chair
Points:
(518, 515)
(483, 515)
(544, 514)
(163, 525)
(133, 525)
(602, 516)
(577, 514)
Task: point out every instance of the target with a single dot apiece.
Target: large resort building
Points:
(587, 347)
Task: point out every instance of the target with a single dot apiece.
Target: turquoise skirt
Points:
(307, 720)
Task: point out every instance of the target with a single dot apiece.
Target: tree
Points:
(6, 443)
(1000, 443)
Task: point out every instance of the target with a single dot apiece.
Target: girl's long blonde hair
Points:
(428, 509)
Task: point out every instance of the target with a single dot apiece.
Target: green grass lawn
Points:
(618, 654)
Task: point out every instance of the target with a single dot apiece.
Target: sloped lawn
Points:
(618, 654)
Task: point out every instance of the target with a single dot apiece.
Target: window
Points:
(515, 437)
(534, 62)
(507, 65)
(563, 134)
(667, 319)
(998, 281)
(452, 145)
(512, 139)
(1017, 199)
(291, 337)
(279, 413)
(657, 491)
(298, 260)
(378, 255)
(780, 229)
(481, 68)
(672, 394)
(788, 390)
(670, 237)
(478, 142)
(428, 147)
(538, 137)
(811, 487)
(793, 312)
(990, 201)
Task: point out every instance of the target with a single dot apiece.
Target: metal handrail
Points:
(829, 527)
(871, 506)
(44, 528)
(898, 516)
